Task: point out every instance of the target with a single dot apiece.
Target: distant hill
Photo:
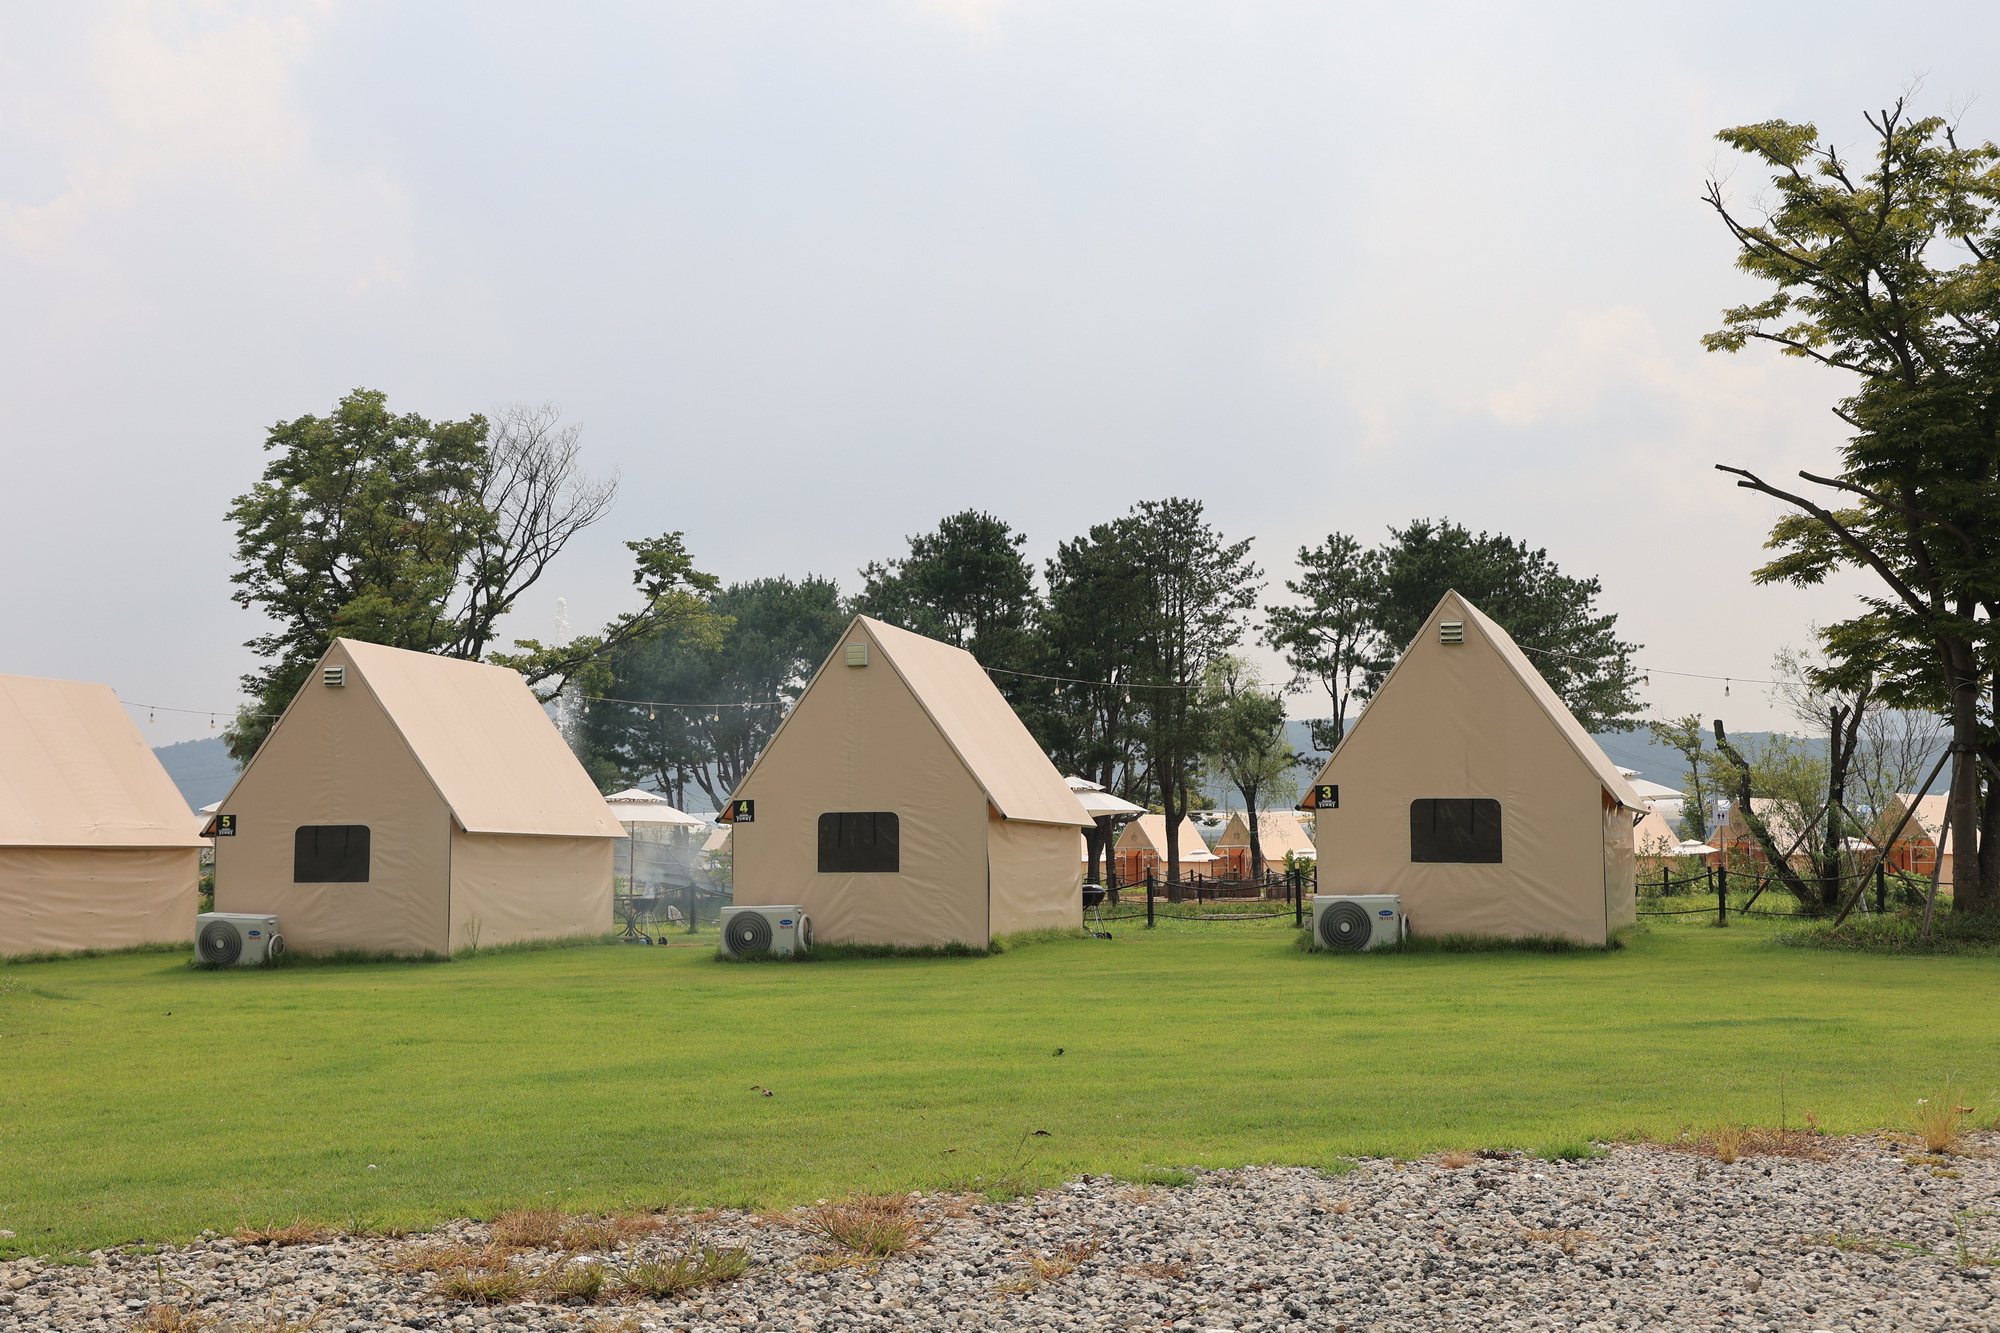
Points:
(202, 769)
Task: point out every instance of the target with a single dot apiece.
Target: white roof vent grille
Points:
(1451, 631)
(857, 654)
(333, 677)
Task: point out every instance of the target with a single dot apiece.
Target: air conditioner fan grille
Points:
(220, 942)
(748, 932)
(1345, 926)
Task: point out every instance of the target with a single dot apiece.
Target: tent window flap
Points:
(866, 843)
(330, 854)
(1466, 831)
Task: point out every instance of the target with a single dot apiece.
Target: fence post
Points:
(1149, 898)
(1881, 889)
(1722, 895)
(1299, 899)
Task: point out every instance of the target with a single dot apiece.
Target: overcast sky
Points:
(813, 275)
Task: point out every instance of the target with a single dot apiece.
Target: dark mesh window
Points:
(1455, 830)
(330, 854)
(860, 844)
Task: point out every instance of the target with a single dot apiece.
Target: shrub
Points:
(868, 1226)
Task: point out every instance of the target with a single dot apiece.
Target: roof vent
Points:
(857, 654)
(1451, 631)
(333, 677)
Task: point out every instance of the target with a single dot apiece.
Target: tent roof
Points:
(975, 720)
(1278, 832)
(634, 806)
(74, 772)
(1929, 817)
(485, 742)
(1149, 833)
(1653, 791)
(1513, 659)
(1104, 803)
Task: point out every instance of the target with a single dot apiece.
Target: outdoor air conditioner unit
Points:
(1358, 921)
(781, 931)
(237, 939)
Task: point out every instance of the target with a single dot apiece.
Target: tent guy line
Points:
(1691, 675)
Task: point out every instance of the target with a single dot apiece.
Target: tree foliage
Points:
(711, 704)
(1889, 271)
(1359, 609)
(422, 535)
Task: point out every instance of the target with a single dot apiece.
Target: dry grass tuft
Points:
(436, 1258)
(583, 1281)
(1452, 1161)
(493, 1280)
(550, 1228)
(1940, 1118)
(868, 1226)
(1566, 1239)
(1159, 1272)
(300, 1232)
(174, 1319)
(1731, 1143)
(1342, 1208)
(694, 1267)
(1052, 1267)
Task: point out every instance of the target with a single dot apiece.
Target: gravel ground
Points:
(1641, 1238)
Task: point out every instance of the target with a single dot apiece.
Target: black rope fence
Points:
(1715, 880)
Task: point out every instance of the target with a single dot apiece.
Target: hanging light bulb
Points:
(211, 722)
(149, 715)
(1725, 687)
(1645, 680)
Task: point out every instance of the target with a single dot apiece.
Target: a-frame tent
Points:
(97, 848)
(902, 801)
(408, 803)
(1469, 789)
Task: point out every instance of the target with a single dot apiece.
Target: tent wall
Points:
(1456, 721)
(1037, 881)
(859, 741)
(509, 887)
(1621, 896)
(60, 899)
(337, 758)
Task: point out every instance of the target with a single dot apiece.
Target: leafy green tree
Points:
(1329, 638)
(1886, 271)
(1247, 746)
(967, 584)
(422, 535)
(1087, 720)
(1701, 783)
(360, 527)
(1553, 617)
(1192, 589)
(709, 705)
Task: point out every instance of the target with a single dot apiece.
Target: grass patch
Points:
(1571, 1150)
(1161, 1177)
(865, 1227)
(839, 953)
(1901, 932)
(678, 1274)
(612, 1080)
(1425, 944)
(159, 946)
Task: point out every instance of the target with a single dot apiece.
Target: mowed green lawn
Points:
(140, 1099)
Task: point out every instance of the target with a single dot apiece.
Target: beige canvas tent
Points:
(1917, 852)
(1655, 843)
(1278, 832)
(408, 803)
(1142, 849)
(97, 848)
(1467, 787)
(901, 801)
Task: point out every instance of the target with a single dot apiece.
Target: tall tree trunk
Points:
(1971, 874)
(1256, 842)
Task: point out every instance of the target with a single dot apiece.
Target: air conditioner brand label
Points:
(255, 933)
(783, 921)
(1386, 912)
